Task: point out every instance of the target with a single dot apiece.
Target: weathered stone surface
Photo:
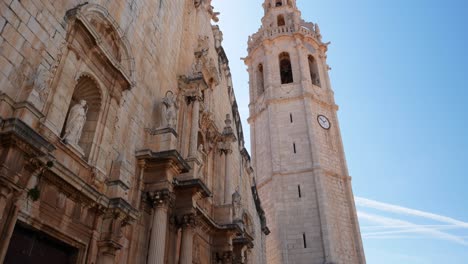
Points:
(301, 168)
(157, 88)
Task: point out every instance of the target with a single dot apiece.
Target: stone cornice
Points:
(231, 227)
(17, 128)
(171, 155)
(19, 105)
(196, 184)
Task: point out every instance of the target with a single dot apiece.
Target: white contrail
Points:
(408, 229)
(415, 228)
(363, 202)
(382, 227)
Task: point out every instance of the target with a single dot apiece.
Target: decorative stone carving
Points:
(114, 222)
(223, 257)
(206, 5)
(188, 221)
(227, 137)
(170, 109)
(203, 65)
(237, 205)
(163, 198)
(75, 123)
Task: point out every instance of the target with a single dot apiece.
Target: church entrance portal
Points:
(32, 247)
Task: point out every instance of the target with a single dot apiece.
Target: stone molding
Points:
(150, 156)
(162, 199)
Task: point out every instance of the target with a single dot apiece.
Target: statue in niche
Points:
(202, 157)
(75, 123)
(237, 204)
(170, 110)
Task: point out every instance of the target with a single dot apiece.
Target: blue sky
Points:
(399, 72)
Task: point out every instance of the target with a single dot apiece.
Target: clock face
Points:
(324, 122)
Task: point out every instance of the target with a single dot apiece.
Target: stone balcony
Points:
(274, 32)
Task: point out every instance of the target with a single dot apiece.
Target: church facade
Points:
(297, 149)
(120, 137)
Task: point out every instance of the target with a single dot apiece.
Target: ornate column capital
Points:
(225, 257)
(188, 221)
(162, 199)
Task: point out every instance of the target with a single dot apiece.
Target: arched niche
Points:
(285, 68)
(96, 64)
(314, 72)
(86, 89)
(280, 21)
(260, 80)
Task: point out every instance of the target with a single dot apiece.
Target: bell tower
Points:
(297, 149)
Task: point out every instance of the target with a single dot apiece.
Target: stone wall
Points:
(300, 164)
(138, 186)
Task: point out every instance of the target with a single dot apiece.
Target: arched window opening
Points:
(281, 21)
(83, 115)
(279, 3)
(260, 80)
(314, 72)
(285, 68)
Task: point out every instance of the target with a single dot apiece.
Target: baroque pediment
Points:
(106, 34)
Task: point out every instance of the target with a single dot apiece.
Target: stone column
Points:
(228, 177)
(194, 129)
(4, 193)
(161, 201)
(186, 250)
(225, 147)
(173, 241)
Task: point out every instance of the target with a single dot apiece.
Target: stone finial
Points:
(317, 32)
(228, 128)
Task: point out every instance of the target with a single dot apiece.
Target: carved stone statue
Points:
(202, 157)
(170, 110)
(75, 123)
(237, 204)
